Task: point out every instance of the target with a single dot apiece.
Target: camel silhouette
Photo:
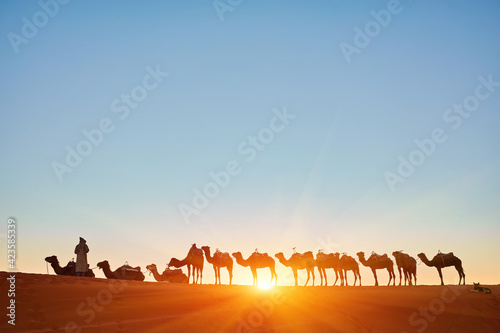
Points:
(299, 261)
(218, 260)
(69, 269)
(168, 275)
(442, 260)
(408, 264)
(255, 261)
(378, 262)
(195, 259)
(348, 263)
(124, 272)
(329, 260)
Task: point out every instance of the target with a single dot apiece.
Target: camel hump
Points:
(260, 255)
(172, 272)
(128, 268)
(378, 257)
(194, 251)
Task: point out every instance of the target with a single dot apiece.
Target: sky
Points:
(347, 127)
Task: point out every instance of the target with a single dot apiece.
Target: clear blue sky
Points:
(322, 177)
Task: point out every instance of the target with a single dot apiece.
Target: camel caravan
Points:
(340, 263)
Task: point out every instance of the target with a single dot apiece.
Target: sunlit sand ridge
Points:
(50, 303)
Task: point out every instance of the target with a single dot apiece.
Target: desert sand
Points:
(50, 303)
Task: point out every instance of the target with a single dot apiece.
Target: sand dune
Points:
(50, 303)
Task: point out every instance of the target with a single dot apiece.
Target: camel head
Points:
(151, 268)
(237, 255)
(103, 264)
(206, 248)
(421, 256)
(280, 255)
(360, 254)
(337, 255)
(396, 254)
(52, 259)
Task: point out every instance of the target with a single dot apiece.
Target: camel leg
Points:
(312, 272)
(273, 273)
(254, 275)
(440, 275)
(308, 275)
(295, 277)
(201, 275)
(215, 272)
(336, 276)
(359, 278)
(230, 272)
(345, 277)
(460, 274)
(324, 274)
(342, 273)
(399, 269)
(321, 275)
(375, 276)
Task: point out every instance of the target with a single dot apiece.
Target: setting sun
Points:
(265, 285)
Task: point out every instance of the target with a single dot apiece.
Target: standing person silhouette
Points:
(81, 251)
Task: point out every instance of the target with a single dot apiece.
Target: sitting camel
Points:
(255, 261)
(408, 264)
(69, 269)
(168, 275)
(348, 263)
(442, 260)
(329, 260)
(299, 261)
(124, 272)
(379, 262)
(194, 258)
(218, 260)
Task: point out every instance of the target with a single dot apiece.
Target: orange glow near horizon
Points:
(265, 285)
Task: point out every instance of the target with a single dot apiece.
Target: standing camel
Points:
(441, 260)
(194, 258)
(255, 261)
(408, 264)
(348, 263)
(378, 262)
(330, 260)
(218, 260)
(299, 261)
